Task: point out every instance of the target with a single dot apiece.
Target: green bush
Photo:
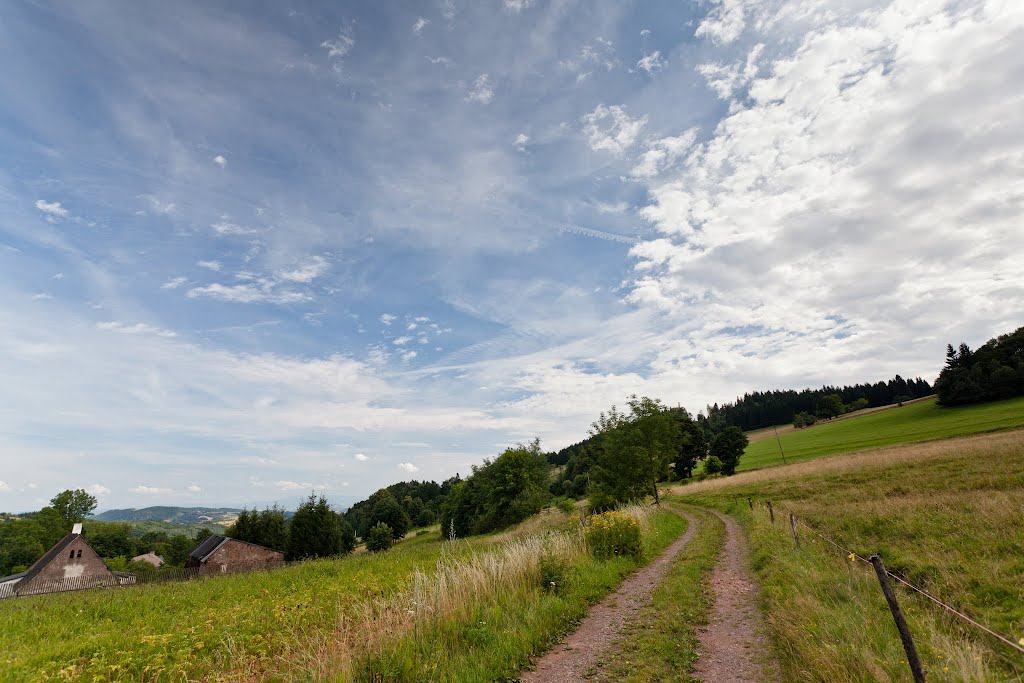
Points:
(379, 537)
(613, 534)
(712, 465)
(565, 505)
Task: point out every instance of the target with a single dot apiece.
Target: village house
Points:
(223, 555)
(150, 558)
(69, 565)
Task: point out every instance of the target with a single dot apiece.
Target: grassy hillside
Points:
(949, 515)
(425, 610)
(172, 514)
(914, 422)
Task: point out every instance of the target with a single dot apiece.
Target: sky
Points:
(253, 250)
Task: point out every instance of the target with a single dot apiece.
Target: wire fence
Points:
(902, 580)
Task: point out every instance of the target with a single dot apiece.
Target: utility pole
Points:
(780, 445)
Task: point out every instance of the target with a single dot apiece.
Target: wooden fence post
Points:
(750, 504)
(771, 512)
(792, 526)
(901, 623)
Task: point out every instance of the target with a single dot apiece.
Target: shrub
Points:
(379, 537)
(613, 534)
(565, 505)
(553, 571)
(712, 465)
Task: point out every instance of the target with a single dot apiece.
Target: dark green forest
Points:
(994, 371)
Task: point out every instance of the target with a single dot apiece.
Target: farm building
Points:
(151, 558)
(69, 565)
(223, 555)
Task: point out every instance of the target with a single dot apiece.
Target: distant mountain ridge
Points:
(175, 515)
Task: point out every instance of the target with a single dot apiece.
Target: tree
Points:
(728, 447)
(73, 506)
(635, 451)
(315, 531)
(380, 537)
(692, 444)
(829, 406)
(385, 509)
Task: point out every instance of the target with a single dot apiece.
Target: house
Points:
(150, 557)
(223, 555)
(69, 565)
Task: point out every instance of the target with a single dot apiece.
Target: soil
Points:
(571, 658)
(732, 647)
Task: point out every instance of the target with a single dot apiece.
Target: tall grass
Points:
(948, 515)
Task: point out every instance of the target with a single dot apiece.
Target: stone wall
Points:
(238, 556)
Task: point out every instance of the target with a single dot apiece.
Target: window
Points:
(72, 555)
(79, 554)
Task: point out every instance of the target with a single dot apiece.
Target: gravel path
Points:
(570, 659)
(732, 647)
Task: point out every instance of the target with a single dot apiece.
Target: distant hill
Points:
(176, 515)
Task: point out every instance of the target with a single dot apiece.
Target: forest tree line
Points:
(994, 371)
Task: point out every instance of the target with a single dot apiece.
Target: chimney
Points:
(77, 528)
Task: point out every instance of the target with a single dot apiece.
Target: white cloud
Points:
(53, 209)
(652, 62)
(858, 206)
(361, 457)
(4, 486)
(161, 207)
(482, 90)
(137, 328)
(307, 271)
(298, 486)
(226, 227)
(387, 318)
(610, 129)
(220, 160)
(41, 296)
(408, 356)
(58, 276)
(97, 490)
(518, 6)
(661, 154)
(248, 293)
(725, 79)
(174, 283)
(210, 265)
(725, 23)
(420, 24)
(342, 45)
(521, 141)
(448, 9)
(401, 341)
(408, 467)
(149, 490)
(600, 53)
(193, 488)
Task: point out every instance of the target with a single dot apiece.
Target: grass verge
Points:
(494, 629)
(662, 644)
(913, 423)
(948, 515)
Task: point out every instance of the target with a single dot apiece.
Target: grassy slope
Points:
(662, 644)
(281, 623)
(914, 422)
(949, 515)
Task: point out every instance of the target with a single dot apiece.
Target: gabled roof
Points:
(53, 552)
(207, 548)
(12, 577)
(210, 545)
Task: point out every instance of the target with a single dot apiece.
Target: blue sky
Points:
(250, 251)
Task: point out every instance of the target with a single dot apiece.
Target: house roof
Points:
(207, 548)
(12, 577)
(210, 545)
(53, 552)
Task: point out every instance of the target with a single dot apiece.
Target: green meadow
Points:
(948, 515)
(912, 423)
